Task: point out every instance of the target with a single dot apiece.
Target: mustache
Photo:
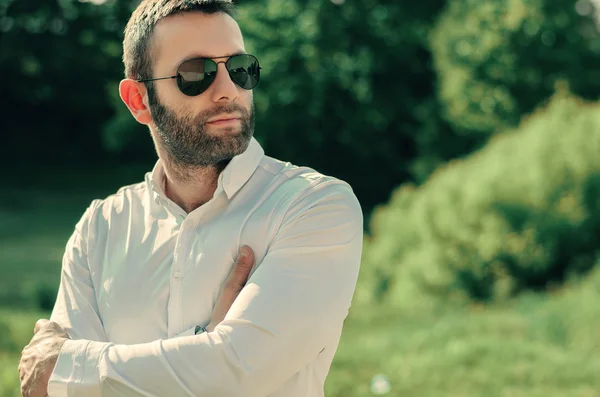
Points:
(205, 115)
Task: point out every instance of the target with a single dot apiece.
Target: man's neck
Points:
(191, 187)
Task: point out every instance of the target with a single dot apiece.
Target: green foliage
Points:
(7, 343)
(55, 60)
(536, 345)
(348, 89)
(496, 60)
(520, 214)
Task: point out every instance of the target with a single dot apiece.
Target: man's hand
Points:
(233, 285)
(39, 358)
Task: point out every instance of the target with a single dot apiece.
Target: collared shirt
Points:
(139, 274)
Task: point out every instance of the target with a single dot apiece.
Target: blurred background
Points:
(469, 130)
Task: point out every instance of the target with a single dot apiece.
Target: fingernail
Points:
(243, 253)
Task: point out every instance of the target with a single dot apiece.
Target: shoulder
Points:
(308, 188)
(300, 178)
(101, 211)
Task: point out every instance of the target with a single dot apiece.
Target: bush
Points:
(520, 214)
(497, 60)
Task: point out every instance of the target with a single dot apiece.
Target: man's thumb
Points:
(245, 257)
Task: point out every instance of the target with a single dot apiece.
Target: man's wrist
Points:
(199, 330)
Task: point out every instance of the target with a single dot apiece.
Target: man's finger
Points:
(245, 260)
(241, 269)
(245, 257)
(39, 324)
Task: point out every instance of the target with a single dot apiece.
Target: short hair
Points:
(137, 49)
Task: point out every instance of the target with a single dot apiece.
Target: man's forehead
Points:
(194, 34)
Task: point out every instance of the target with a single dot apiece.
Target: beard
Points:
(188, 142)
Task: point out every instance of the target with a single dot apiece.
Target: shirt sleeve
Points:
(76, 308)
(282, 319)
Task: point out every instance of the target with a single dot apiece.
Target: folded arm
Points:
(76, 307)
(299, 295)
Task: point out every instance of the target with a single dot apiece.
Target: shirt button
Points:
(177, 275)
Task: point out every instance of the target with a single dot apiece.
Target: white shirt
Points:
(139, 274)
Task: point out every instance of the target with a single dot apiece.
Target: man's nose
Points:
(223, 88)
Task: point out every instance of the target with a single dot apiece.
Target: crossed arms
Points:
(296, 299)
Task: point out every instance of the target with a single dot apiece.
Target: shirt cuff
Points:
(76, 368)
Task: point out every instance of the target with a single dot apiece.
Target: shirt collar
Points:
(241, 168)
(234, 176)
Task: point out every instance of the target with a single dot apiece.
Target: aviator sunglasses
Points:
(196, 75)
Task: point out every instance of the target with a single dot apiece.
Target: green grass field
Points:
(536, 345)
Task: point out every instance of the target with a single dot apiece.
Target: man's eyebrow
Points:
(197, 55)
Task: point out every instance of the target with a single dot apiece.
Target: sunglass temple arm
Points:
(158, 78)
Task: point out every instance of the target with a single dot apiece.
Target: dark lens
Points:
(244, 70)
(196, 75)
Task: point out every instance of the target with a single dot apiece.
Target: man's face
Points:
(186, 125)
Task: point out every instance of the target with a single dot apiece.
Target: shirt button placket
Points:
(177, 273)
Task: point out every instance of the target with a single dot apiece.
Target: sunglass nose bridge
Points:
(242, 69)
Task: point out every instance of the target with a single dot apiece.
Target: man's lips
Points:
(224, 120)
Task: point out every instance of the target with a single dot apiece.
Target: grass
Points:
(16, 330)
(33, 235)
(535, 345)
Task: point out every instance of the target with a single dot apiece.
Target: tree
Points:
(497, 60)
(56, 60)
(348, 88)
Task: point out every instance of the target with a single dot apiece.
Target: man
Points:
(147, 268)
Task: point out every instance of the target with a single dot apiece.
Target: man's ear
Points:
(133, 95)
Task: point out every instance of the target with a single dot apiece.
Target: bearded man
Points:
(225, 272)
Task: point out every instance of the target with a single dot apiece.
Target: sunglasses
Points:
(196, 75)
